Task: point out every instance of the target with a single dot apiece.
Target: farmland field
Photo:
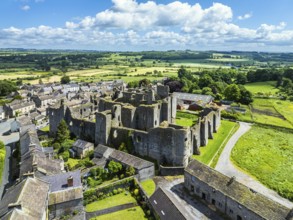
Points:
(262, 87)
(267, 154)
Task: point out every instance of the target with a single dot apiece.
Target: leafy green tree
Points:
(114, 167)
(241, 79)
(65, 79)
(144, 82)
(6, 87)
(130, 171)
(1, 145)
(63, 133)
(232, 92)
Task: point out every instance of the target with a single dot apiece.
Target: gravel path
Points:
(226, 167)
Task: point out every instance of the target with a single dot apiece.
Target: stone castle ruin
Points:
(143, 119)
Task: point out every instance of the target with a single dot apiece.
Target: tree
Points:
(65, 79)
(6, 87)
(144, 82)
(114, 167)
(232, 92)
(62, 132)
(241, 79)
(130, 171)
(2, 146)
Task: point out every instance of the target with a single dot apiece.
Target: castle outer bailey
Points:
(141, 118)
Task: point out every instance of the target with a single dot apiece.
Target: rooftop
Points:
(32, 205)
(130, 160)
(256, 202)
(164, 206)
(82, 144)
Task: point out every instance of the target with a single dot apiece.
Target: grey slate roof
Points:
(130, 160)
(164, 206)
(261, 205)
(31, 194)
(103, 150)
(198, 99)
(82, 144)
(58, 182)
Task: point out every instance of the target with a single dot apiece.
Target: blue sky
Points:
(259, 25)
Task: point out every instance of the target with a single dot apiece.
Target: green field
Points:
(135, 213)
(149, 186)
(111, 201)
(2, 159)
(207, 153)
(185, 118)
(267, 88)
(267, 154)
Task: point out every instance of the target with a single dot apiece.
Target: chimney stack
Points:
(70, 181)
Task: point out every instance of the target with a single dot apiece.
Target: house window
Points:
(220, 204)
(231, 211)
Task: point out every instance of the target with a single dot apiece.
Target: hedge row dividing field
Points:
(267, 154)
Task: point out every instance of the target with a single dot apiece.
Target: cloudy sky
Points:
(134, 25)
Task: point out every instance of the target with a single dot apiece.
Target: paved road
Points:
(226, 167)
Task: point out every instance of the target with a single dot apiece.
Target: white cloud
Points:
(245, 16)
(25, 8)
(130, 25)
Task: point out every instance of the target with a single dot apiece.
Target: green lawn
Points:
(149, 186)
(263, 87)
(46, 129)
(186, 118)
(267, 154)
(135, 213)
(207, 153)
(2, 160)
(112, 201)
(214, 161)
(72, 163)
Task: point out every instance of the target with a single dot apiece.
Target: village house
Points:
(65, 194)
(27, 199)
(81, 148)
(44, 100)
(229, 196)
(21, 107)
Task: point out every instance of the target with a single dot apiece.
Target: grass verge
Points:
(266, 153)
(214, 161)
(207, 153)
(2, 159)
(149, 186)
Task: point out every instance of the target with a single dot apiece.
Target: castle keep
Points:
(143, 119)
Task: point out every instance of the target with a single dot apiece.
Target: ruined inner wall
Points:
(55, 117)
(169, 146)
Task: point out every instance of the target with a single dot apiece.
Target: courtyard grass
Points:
(46, 129)
(207, 152)
(149, 186)
(2, 160)
(111, 201)
(186, 119)
(135, 213)
(267, 154)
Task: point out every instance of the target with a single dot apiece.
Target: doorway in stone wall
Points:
(239, 217)
(203, 196)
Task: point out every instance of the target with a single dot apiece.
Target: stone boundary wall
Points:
(171, 171)
(90, 215)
